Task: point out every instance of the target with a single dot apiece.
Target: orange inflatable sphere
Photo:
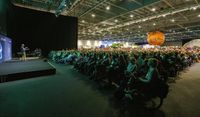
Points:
(156, 38)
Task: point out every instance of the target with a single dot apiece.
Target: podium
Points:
(5, 48)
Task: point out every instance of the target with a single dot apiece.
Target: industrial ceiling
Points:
(127, 20)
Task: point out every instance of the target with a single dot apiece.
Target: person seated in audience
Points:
(144, 84)
(140, 63)
(131, 68)
(130, 72)
(152, 74)
(102, 66)
(113, 69)
(71, 57)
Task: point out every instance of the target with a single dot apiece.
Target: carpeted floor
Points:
(23, 66)
(70, 94)
(184, 97)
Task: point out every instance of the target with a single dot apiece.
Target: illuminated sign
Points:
(1, 51)
(5, 48)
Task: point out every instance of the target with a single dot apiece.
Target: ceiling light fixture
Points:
(144, 19)
(173, 20)
(194, 8)
(164, 15)
(83, 21)
(131, 16)
(153, 9)
(108, 8)
(116, 20)
(154, 24)
(93, 15)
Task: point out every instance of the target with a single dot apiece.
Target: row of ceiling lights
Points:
(108, 8)
(131, 15)
(164, 15)
(167, 33)
(154, 24)
(172, 32)
(153, 10)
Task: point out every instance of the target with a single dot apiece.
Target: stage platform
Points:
(17, 70)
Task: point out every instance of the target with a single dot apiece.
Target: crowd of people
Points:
(93, 62)
(122, 67)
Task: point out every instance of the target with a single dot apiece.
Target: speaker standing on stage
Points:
(23, 50)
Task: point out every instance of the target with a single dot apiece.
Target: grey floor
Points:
(70, 94)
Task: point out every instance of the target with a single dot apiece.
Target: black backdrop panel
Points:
(4, 4)
(43, 30)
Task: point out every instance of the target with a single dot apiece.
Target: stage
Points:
(17, 69)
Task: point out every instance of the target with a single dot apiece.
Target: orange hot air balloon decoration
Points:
(156, 38)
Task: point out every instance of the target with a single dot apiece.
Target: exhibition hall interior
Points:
(99, 58)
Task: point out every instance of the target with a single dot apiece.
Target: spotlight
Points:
(116, 20)
(154, 24)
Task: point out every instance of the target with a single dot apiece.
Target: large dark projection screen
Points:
(37, 29)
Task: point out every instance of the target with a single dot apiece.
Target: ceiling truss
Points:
(128, 20)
